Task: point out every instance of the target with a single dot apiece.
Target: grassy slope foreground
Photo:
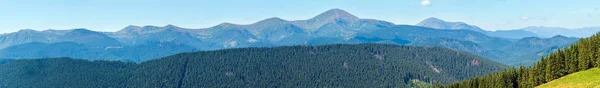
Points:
(583, 55)
(361, 65)
(583, 79)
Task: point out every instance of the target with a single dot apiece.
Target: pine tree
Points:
(574, 59)
(594, 51)
(582, 57)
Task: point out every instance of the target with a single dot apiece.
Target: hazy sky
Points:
(113, 15)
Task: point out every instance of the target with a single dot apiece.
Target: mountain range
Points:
(532, 31)
(336, 26)
(551, 31)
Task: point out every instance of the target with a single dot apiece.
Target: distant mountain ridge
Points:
(437, 23)
(81, 36)
(441, 24)
(334, 26)
(531, 31)
(552, 31)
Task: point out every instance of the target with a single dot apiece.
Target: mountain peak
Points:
(27, 30)
(559, 36)
(150, 27)
(272, 20)
(337, 10)
(335, 13)
(432, 19)
(226, 24)
(81, 31)
(169, 26)
(436, 23)
(132, 27)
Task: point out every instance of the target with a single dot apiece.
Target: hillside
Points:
(582, 79)
(3, 61)
(583, 55)
(341, 65)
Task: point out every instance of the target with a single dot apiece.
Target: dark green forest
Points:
(3, 61)
(339, 65)
(580, 56)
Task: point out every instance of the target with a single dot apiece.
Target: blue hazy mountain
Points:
(136, 53)
(494, 48)
(25, 36)
(532, 31)
(414, 33)
(530, 49)
(142, 43)
(268, 32)
(513, 34)
(445, 25)
(80, 36)
(135, 35)
(553, 31)
(339, 23)
(441, 24)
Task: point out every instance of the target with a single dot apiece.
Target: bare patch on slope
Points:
(474, 62)
(432, 67)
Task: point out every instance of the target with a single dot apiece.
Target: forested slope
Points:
(360, 65)
(580, 56)
(3, 61)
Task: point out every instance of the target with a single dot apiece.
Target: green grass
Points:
(583, 79)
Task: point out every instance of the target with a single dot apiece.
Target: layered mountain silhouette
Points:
(552, 31)
(445, 25)
(532, 31)
(80, 36)
(336, 26)
(441, 24)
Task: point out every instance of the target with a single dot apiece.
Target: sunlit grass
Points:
(584, 79)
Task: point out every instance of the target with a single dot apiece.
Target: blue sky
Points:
(113, 15)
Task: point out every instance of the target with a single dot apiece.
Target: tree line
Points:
(580, 56)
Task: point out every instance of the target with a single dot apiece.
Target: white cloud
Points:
(425, 3)
(524, 18)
